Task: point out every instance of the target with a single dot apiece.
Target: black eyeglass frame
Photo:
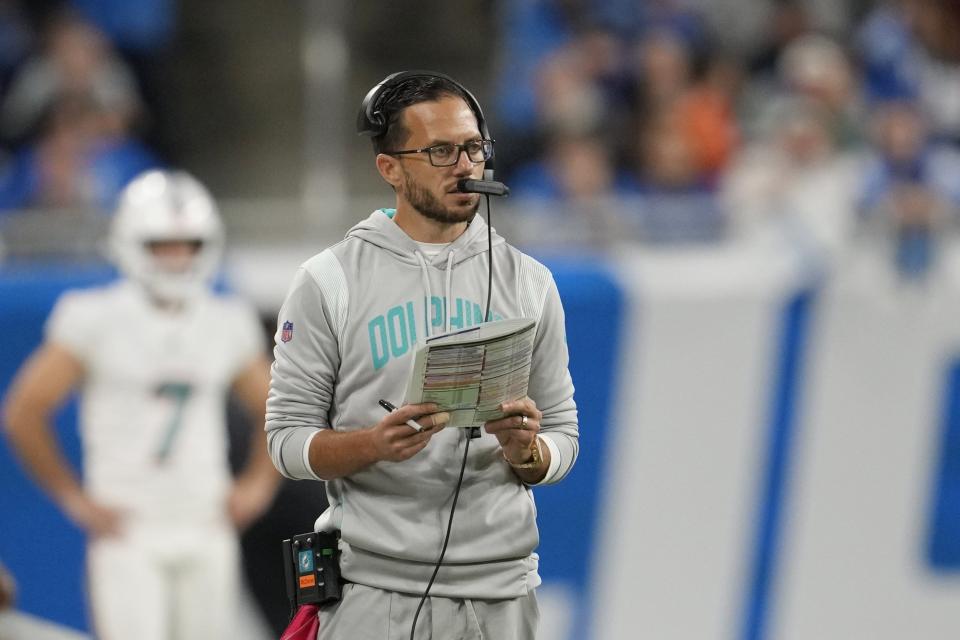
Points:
(461, 148)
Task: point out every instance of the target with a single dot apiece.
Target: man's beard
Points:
(430, 207)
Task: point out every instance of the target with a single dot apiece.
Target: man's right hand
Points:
(91, 516)
(396, 441)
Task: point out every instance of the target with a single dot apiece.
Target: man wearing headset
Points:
(154, 355)
(346, 332)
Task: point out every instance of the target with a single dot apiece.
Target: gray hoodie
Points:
(345, 335)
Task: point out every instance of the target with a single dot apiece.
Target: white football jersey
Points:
(153, 404)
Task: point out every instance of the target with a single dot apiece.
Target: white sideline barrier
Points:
(686, 491)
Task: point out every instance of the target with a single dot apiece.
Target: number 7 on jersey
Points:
(178, 393)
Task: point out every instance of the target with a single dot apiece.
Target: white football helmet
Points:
(160, 206)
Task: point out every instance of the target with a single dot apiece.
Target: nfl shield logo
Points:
(286, 333)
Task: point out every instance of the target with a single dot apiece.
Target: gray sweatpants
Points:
(366, 613)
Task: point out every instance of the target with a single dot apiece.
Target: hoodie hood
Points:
(379, 229)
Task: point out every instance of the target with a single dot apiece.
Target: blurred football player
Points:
(154, 356)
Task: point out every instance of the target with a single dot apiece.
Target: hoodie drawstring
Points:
(448, 292)
(425, 279)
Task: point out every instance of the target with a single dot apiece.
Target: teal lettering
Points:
(377, 329)
(437, 306)
(456, 320)
(411, 323)
(397, 325)
(426, 315)
(463, 314)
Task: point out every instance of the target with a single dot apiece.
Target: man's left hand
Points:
(517, 430)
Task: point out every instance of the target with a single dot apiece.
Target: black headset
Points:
(373, 122)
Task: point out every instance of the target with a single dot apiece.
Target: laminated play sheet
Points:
(470, 372)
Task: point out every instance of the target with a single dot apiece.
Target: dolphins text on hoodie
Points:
(345, 337)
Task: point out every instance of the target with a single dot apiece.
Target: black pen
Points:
(390, 408)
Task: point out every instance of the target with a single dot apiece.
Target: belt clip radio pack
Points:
(311, 567)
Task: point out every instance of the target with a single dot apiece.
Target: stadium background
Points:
(769, 404)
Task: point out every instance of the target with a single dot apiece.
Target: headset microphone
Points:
(488, 187)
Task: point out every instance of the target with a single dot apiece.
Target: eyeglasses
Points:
(448, 153)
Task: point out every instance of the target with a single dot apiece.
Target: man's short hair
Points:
(408, 93)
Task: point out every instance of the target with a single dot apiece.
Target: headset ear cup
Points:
(372, 122)
(377, 123)
(370, 119)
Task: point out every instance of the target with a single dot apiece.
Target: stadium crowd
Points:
(668, 121)
(692, 125)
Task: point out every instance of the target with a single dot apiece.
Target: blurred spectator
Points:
(666, 160)
(532, 29)
(584, 86)
(576, 167)
(911, 48)
(575, 72)
(698, 91)
(662, 65)
(77, 61)
(142, 32)
(567, 96)
(906, 153)
(910, 190)
(794, 175)
(677, 202)
(82, 159)
(917, 218)
(581, 86)
(818, 68)
(788, 21)
(705, 114)
(569, 195)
